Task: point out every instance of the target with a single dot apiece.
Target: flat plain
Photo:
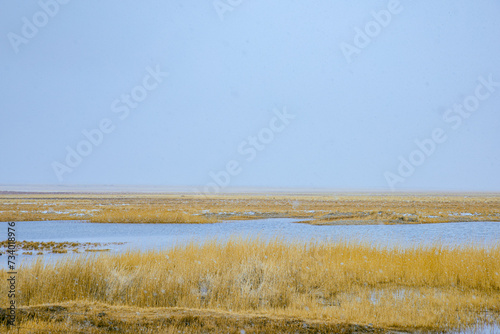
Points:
(193, 208)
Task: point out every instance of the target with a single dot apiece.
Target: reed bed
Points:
(150, 215)
(345, 282)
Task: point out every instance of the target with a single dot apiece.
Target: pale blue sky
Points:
(352, 119)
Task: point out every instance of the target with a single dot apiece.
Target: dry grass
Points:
(339, 283)
(93, 317)
(149, 215)
(320, 209)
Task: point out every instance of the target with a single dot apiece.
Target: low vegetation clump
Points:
(53, 247)
(420, 288)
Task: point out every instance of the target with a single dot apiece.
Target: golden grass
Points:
(148, 215)
(318, 209)
(419, 288)
(94, 317)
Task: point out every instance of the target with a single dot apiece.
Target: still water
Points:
(159, 236)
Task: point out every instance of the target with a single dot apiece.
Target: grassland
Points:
(263, 286)
(190, 208)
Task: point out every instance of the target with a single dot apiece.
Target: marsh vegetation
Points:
(421, 288)
(191, 208)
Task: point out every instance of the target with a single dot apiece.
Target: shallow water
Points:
(480, 329)
(158, 236)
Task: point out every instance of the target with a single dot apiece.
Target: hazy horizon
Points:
(156, 189)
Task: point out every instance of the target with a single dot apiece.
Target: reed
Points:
(148, 215)
(345, 282)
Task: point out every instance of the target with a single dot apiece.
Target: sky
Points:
(341, 95)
